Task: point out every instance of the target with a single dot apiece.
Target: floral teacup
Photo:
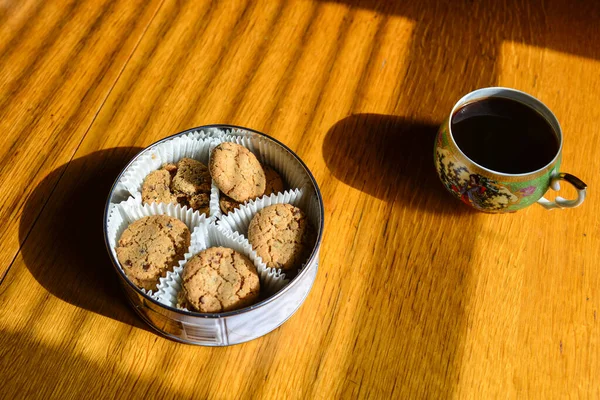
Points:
(494, 191)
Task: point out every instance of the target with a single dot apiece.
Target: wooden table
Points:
(416, 296)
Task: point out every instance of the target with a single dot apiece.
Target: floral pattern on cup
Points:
(481, 192)
(478, 191)
(527, 191)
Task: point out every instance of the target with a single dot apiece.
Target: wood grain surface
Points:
(416, 296)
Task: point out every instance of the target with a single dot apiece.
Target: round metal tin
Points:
(233, 327)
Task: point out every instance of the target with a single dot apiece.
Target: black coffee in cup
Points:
(504, 135)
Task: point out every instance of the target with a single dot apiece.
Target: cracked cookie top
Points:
(187, 183)
(274, 184)
(218, 279)
(237, 172)
(280, 235)
(150, 247)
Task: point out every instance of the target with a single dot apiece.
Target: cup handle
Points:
(560, 202)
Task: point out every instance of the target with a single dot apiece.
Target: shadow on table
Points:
(457, 46)
(61, 370)
(65, 250)
(563, 25)
(426, 280)
(390, 158)
(416, 279)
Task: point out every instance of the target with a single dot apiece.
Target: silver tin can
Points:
(233, 327)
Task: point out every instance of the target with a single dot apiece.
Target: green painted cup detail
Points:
(484, 191)
(495, 192)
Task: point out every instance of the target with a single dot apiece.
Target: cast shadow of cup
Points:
(65, 250)
(391, 158)
(425, 244)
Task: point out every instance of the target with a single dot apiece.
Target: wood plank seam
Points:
(81, 141)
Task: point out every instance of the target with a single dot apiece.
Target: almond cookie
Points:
(227, 204)
(237, 172)
(218, 279)
(187, 183)
(280, 235)
(157, 188)
(150, 247)
(274, 184)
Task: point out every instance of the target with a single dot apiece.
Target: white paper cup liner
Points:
(215, 193)
(208, 133)
(211, 235)
(270, 153)
(123, 214)
(237, 132)
(267, 152)
(197, 146)
(310, 205)
(239, 220)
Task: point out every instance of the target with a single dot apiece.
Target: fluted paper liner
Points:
(215, 193)
(208, 133)
(194, 145)
(124, 214)
(238, 221)
(211, 235)
(268, 153)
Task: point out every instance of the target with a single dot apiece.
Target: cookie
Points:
(157, 188)
(237, 172)
(227, 204)
(150, 247)
(218, 279)
(187, 183)
(280, 235)
(273, 184)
